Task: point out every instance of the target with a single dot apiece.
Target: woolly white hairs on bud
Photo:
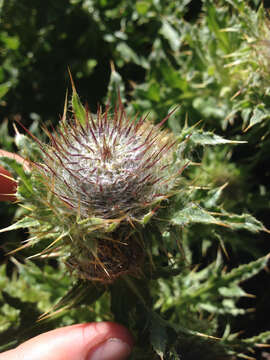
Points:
(110, 166)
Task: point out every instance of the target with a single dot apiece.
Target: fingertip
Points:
(116, 344)
(8, 186)
(90, 341)
(108, 329)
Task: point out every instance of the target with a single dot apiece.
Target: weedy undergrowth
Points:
(107, 196)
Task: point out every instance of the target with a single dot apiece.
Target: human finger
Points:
(8, 185)
(91, 341)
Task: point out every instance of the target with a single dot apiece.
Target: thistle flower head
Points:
(109, 166)
(101, 179)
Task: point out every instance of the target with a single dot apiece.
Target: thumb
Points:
(8, 185)
(91, 341)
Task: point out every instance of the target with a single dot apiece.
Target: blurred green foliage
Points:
(210, 57)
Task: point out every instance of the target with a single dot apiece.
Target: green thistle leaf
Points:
(23, 223)
(209, 138)
(158, 335)
(193, 214)
(78, 109)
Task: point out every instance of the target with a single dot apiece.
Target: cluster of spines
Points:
(104, 133)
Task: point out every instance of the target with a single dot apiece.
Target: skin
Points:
(89, 341)
(7, 185)
(76, 342)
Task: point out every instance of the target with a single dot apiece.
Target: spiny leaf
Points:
(80, 293)
(214, 196)
(244, 221)
(23, 223)
(209, 138)
(262, 338)
(116, 86)
(77, 106)
(158, 335)
(246, 271)
(259, 114)
(193, 214)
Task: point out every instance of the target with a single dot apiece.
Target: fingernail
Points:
(112, 349)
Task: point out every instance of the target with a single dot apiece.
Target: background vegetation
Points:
(210, 57)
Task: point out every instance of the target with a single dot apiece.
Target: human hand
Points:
(91, 341)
